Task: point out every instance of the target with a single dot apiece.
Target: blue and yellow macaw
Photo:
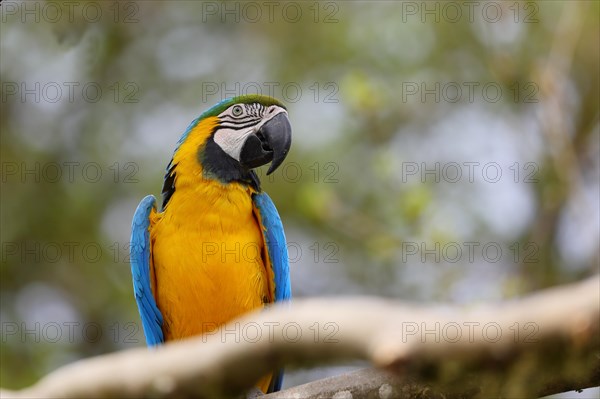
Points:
(217, 249)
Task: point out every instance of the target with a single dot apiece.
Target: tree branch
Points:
(513, 349)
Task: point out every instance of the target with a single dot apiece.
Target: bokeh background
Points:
(443, 152)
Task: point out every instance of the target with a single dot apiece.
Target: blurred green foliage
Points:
(384, 87)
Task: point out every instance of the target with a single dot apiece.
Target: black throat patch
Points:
(217, 165)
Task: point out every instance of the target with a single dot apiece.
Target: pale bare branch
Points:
(512, 349)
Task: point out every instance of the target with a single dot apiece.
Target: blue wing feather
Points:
(274, 237)
(276, 245)
(139, 255)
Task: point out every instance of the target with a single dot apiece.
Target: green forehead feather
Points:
(248, 99)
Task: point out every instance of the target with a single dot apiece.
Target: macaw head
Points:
(229, 140)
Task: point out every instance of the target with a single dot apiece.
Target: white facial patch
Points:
(232, 141)
(234, 130)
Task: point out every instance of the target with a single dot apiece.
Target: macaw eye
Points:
(237, 110)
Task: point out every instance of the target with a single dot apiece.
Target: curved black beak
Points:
(271, 143)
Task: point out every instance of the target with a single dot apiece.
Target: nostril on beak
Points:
(263, 141)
